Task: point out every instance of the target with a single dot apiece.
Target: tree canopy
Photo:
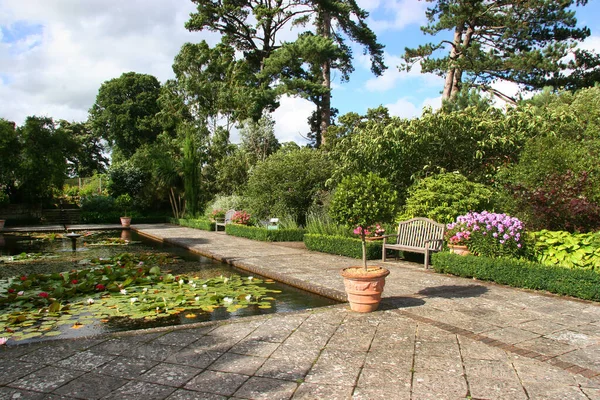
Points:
(520, 41)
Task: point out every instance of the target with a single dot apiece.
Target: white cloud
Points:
(406, 108)
(399, 14)
(291, 119)
(389, 79)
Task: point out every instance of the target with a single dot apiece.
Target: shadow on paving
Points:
(453, 291)
(392, 303)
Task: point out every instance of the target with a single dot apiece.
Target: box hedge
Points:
(264, 234)
(584, 284)
(204, 224)
(342, 246)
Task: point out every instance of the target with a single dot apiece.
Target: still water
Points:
(23, 254)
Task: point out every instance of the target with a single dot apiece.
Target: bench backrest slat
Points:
(228, 216)
(417, 231)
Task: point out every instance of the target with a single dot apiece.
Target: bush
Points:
(264, 234)
(568, 250)
(443, 197)
(224, 203)
(199, 223)
(323, 225)
(240, 217)
(342, 246)
(584, 284)
(286, 183)
(98, 204)
(488, 234)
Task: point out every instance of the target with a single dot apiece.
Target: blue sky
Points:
(54, 55)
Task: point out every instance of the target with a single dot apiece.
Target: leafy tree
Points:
(258, 139)
(520, 41)
(42, 164)
(86, 154)
(286, 183)
(125, 111)
(362, 201)
(10, 149)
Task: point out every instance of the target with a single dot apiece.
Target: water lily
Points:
(197, 298)
(133, 299)
(225, 280)
(3, 340)
(227, 300)
(194, 285)
(204, 286)
(21, 293)
(145, 290)
(248, 297)
(181, 281)
(100, 287)
(250, 278)
(123, 291)
(44, 295)
(90, 301)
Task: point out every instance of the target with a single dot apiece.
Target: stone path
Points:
(435, 337)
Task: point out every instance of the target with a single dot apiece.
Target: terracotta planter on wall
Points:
(364, 288)
(125, 222)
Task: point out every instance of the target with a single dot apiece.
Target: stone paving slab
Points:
(435, 337)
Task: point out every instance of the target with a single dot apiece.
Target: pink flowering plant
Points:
(488, 234)
(241, 217)
(217, 214)
(370, 231)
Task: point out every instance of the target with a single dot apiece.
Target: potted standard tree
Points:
(124, 202)
(361, 201)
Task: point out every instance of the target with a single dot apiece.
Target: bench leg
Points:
(426, 258)
(383, 252)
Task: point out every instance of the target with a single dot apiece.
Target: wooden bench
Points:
(224, 221)
(417, 235)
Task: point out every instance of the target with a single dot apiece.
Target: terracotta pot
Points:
(459, 249)
(364, 288)
(125, 222)
(2, 224)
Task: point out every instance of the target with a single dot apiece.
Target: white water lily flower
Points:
(145, 289)
(133, 299)
(204, 286)
(181, 281)
(250, 278)
(197, 298)
(227, 300)
(194, 285)
(190, 282)
(90, 301)
(225, 280)
(248, 297)
(21, 293)
(123, 291)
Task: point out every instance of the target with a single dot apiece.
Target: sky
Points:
(55, 54)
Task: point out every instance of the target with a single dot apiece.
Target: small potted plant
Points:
(124, 202)
(361, 201)
(457, 237)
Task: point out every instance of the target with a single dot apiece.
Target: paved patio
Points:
(435, 337)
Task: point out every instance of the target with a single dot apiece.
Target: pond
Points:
(119, 280)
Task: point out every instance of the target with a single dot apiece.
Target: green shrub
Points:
(98, 204)
(225, 203)
(342, 246)
(264, 234)
(286, 183)
(443, 197)
(580, 250)
(199, 223)
(584, 284)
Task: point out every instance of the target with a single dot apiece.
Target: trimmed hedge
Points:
(204, 224)
(584, 284)
(264, 234)
(342, 246)
(113, 217)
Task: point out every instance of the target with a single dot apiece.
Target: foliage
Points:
(488, 234)
(525, 42)
(286, 183)
(362, 201)
(323, 225)
(224, 203)
(443, 197)
(264, 234)
(569, 250)
(258, 139)
(125, 286)
(240, 217)
(127, 178)
(198, 223)
(9, 148)
(125, 111)
(584, 284)
(342, 246)
(98, 203)
(85, 153)
(124, 202)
